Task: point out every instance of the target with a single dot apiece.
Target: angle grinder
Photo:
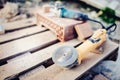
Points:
(68, 56)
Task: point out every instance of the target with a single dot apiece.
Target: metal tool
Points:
(68, 56)
(63, 12)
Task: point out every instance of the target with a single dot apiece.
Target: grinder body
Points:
(67, 56)
(63, 12)
(90, 45)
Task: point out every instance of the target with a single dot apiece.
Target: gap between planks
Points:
(55, 72)
(20, 34)
(32, 72)
(19, 24)
(23, 63)
(26, 44)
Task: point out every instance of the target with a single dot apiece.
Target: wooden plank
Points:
(32, 72)
(25, 44)
(19, 24)
(20, 33)
(16, 66)
(25, 62)
(48, 74)
(55, 72)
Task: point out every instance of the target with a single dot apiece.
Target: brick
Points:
(62, 27)
(83, 31)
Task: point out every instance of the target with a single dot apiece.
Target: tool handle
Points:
(91, 44)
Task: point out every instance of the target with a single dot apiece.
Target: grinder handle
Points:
(91, 44)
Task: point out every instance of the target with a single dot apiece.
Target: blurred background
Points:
(106, 11)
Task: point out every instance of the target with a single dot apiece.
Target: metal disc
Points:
(65, 56)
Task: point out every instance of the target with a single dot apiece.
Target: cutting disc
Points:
(65, 56)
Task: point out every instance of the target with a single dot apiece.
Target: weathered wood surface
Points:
(55, 72)
(20, 33)
(25, 44)
(29, 60)
(16, 66)
(32, 72)
(19, 24)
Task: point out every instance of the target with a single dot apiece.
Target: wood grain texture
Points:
(55, 72)
(19, 24)
(47, 53)
(49, 74)
(25, 62)
(21, 33)
(25, 44)
(31, 73)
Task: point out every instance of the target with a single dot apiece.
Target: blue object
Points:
(65, 13)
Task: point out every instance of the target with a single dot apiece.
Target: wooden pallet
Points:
(26, 50)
